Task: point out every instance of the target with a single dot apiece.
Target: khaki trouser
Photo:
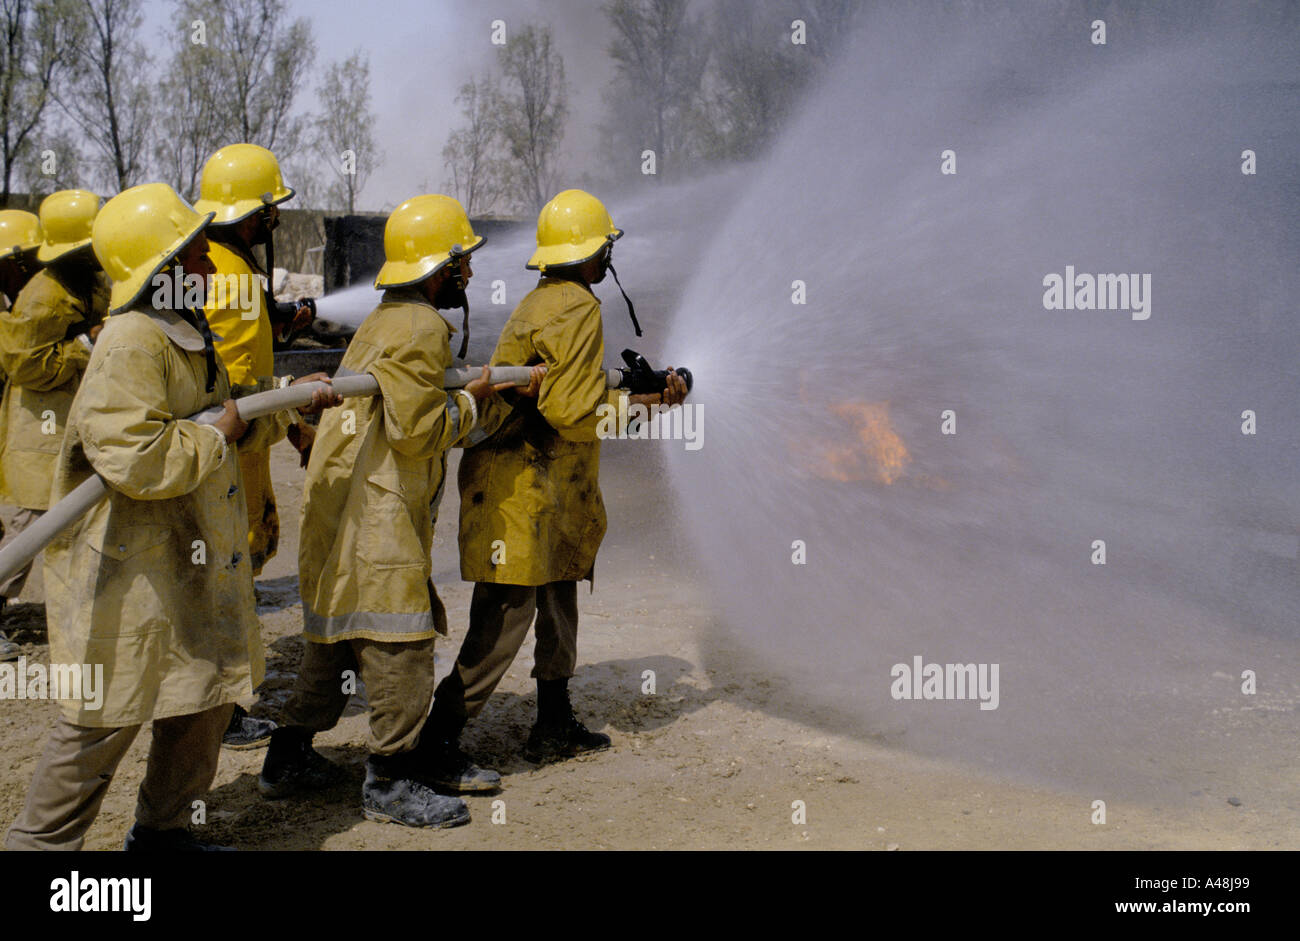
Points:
(12, 587)
(399, 686)
(263, 519)
(499, 618)
(77, 767)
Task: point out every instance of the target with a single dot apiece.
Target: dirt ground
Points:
(714, 759)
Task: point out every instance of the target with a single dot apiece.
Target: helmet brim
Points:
(20, 249)
(401, 274)
(238, 211)
(48, 253)
(561, 256)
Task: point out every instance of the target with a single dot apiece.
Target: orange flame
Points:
(869, 450)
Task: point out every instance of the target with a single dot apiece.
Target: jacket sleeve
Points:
(492, 414)
(130, 436)
(33, 348)
(573, 347)
(421, 419)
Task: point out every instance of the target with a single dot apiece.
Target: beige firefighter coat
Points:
(375, 476)
(44, 360)
(531, 510)
(154, 584)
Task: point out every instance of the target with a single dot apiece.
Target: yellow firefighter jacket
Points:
(530, 504)
(44, 360)
(154, 582)
(374, 479)
(237, 313)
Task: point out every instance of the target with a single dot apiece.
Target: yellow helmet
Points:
(66, 218)
(572, 228)
(138, 232)
(238, 180)
(19, 232)
(421, 236)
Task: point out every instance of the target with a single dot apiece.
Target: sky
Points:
(421, 52)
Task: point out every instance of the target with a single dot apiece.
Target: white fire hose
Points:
(83, 498)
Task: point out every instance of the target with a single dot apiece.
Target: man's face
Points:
(600, 265)
(448, 295)
(193, 258)
(11, 273)
(19, 267)
(268, 220)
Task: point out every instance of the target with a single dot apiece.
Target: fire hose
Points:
(637, 377)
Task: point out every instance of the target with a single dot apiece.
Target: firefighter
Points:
(45, 340)
(20, 237)
(532, 516)
(153, 584)
(242, 186)
(374, 479)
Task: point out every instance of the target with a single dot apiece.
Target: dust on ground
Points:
(715, 758)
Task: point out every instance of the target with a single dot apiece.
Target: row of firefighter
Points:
(119, 372)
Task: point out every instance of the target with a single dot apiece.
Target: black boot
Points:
(392, 794)
(8, 649)
(558, 734)
(292, 765)
(441, 762)
(145, 840)
(247, 731)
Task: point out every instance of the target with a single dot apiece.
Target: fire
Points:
(869, 448)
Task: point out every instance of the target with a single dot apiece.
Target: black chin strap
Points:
(458, 282)
(197, 319)
(464, 340)
(269, 247)
(631, 311)
(209, 349)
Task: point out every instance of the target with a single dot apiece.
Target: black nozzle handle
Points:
(640, 378)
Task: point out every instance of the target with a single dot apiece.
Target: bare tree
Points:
(661, 57)
(58, 166)
(233, 77)
(345, 128)
(532, 107)
(191, 117)
(473, 153)
(266, 59)
(108, 101)
(831, 21)
(37, 43)
(755, 77)
(757, 74)
(304, 174)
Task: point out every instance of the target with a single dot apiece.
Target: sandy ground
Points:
(714, 759)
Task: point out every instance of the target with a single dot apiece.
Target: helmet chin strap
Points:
(464, 339)
(631, 311)
(459, 285)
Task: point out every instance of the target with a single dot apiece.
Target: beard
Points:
(449, 295)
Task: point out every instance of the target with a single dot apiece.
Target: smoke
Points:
(925, 300)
